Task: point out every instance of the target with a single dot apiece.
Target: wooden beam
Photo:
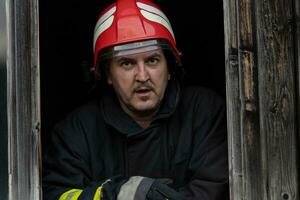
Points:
(297, 56)
(261, 98)
(276, 70)
(232, 98)
(243, 121)
(251, 150)
(23, 100)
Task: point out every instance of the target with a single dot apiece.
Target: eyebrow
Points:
(121, 59)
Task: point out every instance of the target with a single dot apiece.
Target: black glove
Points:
(111, 188)
(144, 188)
(160, 190)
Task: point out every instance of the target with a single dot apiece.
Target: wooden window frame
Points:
(262, 40)
(23, 100)
(262, 61)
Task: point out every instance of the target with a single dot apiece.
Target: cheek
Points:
(164, 76)
(121, 82)
(161, 81)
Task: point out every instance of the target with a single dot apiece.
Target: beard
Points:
(144, 112)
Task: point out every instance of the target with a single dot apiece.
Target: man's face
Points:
(140, 81)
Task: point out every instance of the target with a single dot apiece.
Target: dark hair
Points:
(174, 66)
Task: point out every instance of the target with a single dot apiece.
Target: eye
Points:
(126, 64)
(153, 60)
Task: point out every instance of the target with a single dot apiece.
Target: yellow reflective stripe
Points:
(97, 195)
(72, 194)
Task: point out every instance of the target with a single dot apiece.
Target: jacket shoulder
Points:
(80, 121)
(85, 112)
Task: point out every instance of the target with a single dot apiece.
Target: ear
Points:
(108, 79)
(107, 73)
(96, 72)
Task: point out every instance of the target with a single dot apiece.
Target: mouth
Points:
(143, 91)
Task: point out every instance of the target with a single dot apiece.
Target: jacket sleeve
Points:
(66, 170)
(208, 166)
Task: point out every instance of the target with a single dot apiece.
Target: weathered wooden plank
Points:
(251, 149)
(242, 94)
(277, 104)
(23, 101)
(297, 57)
(233, 102)
(36, 161)
(267, 122)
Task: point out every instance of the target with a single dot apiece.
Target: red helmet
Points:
(132, 24)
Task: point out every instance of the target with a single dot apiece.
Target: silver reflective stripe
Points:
(158, 19)
(137, 50)
(128, 189)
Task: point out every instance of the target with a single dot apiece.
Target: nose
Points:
(142, 74)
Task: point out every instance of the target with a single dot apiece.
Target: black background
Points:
(66, 34)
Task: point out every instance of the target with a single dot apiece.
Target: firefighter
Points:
(146, 136)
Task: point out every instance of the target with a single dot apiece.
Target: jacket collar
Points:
(114, 115)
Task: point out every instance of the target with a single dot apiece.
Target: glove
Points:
(135, 188)
(111, 188)
(144, 188)
(160, 190)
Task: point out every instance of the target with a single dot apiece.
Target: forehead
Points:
(141, 55)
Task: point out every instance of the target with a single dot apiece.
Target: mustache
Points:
(143, 86)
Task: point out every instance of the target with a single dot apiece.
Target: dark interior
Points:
(66, 33)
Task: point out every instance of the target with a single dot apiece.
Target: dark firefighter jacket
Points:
(185, 142)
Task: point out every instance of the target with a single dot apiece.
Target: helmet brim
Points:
(133, 48)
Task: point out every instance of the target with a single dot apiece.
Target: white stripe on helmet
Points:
(152, 9)
(103, 23)
(105, 16)
(158, 19)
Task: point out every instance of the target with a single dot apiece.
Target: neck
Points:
(143, 119)
(143, 124)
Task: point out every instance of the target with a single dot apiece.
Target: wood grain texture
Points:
(233, 102)
(251, 157)
(23, 101)
(297, 56)
(261, 98)
(276, 70)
